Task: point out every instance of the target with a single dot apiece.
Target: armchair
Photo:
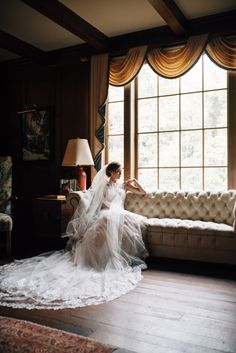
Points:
(5, 201)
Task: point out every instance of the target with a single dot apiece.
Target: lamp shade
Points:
(77, 153)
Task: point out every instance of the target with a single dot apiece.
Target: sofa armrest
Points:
(79, 201)
(73, 199)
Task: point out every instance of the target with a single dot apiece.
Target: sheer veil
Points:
(85, 213)
(96, 269)
(109, 225)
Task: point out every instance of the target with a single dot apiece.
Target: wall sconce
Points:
(78, 154)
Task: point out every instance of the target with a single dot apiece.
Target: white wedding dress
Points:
(101, 262)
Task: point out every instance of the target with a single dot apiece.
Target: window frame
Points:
(131, 129)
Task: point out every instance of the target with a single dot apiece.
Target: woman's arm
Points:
(139, 186)
(134, 186)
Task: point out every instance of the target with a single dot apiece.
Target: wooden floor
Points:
(170, 311)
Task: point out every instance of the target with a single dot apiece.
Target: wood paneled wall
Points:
(65, 88)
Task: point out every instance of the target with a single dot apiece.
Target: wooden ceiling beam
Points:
(69, 20)
(217, 24)
(171, 14)
(18, 46)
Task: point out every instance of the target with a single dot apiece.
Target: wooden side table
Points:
(51, 216)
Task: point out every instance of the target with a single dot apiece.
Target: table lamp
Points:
(78, 154)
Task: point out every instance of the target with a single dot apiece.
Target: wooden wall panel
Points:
(65, 88)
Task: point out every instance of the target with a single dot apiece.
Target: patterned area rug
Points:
(19, 336)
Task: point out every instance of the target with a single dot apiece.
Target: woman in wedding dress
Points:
(103, 258)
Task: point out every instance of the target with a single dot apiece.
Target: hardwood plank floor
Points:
(176, 308)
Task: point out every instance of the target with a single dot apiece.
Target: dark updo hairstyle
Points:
(112, 167)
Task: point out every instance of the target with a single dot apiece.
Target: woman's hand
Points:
(134, 186)
(132, 181)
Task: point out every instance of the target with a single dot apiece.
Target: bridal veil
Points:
(101, 262)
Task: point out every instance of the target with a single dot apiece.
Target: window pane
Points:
(116, 149)
(191, 179)
(147, 115)
(147, 82)
(168, 86)
(147, 150)
(148, 179)
(192, 80)
(169, 179)
(215, 152)
(214, 76)
(169, 113)
(215, 178)
(215, 105)
(115, 93)
(116, 118)
(169, 149)
(191, 111)
(191, 148)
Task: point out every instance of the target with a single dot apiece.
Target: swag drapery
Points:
(167, 62)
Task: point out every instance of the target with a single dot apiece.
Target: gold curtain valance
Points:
(168, 63)
(222, 52)
(124, 70)
(171, 63)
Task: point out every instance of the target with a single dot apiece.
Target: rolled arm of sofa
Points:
(79, 201)
(73, 199)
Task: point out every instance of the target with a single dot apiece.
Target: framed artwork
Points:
(37, 135)
(67, 185)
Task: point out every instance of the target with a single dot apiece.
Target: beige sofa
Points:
(185, 225)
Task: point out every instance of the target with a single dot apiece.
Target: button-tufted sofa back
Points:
(217, 207)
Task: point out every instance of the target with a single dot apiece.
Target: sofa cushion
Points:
(190, 234)
(185, 226)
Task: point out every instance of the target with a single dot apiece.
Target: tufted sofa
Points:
(197, 226)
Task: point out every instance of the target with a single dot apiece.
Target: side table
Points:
(51, 215)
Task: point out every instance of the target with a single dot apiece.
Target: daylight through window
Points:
(180, 128)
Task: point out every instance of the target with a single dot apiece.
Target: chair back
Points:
(5, 184)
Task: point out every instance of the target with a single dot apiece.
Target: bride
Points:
(103, 258)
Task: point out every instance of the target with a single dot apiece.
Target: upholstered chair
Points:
(5, 202)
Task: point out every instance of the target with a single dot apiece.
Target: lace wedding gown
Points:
(101, 262)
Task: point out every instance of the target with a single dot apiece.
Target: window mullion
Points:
(158, 135)
(203, 126)
(129, 133)
(180, 138)
(135, 128)
(231, 130)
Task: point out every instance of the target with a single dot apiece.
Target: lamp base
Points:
(81, 178)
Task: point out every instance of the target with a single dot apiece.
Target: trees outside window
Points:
(172, 133)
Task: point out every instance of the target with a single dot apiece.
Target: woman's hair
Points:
(112, 167)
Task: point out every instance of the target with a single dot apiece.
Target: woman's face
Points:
(116, 174)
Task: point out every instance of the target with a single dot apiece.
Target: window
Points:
(115, 125)
(180, 128)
